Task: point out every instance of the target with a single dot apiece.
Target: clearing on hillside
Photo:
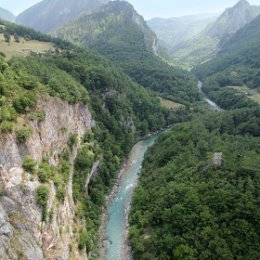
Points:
(23, 47)
(253, 94)
(170, 104)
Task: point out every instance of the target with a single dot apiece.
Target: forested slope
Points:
(199, 187)
(237, 65)
(206, 45)
(118, 32)
(199, 192)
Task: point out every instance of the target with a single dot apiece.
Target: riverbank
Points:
(212, 104)
(113, 232)
(104, 218)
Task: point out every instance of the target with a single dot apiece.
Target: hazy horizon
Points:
(151, 8)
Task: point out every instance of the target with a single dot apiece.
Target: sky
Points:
(150, 8)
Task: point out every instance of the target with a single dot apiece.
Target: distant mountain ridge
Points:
(88, 29)
(173, 31)
(119, 33)
(48, 15)
(6, 15)
(205, 45)
(233, 19)
(232, 79)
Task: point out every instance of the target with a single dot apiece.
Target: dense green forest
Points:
(199, 188)
(114, 32)
(190, 207)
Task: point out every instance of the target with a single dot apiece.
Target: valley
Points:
(122, 138)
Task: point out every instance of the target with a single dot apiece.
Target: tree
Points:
(16, 38)
(7, 37)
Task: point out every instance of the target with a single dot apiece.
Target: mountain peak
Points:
(115, 16)
(233, 19)
(49, 15)
(242, 3)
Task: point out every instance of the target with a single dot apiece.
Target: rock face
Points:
(51, 14)
(217, 159)
(23, 235)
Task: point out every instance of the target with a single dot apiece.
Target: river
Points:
(116, 246)
(212, 104)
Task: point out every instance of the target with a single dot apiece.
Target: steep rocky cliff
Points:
(23, 235)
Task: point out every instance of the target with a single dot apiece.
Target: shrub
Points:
(23, 134)
(51, 215)
(44, 172)
(7, 113)
(2, 54)
(85, 241)
(7, 37)
(29, 164)
(2, 193)
(28, 82)
(64, 169)
(38, 115)
(42, 196)
(60, 193)
(6, 127)
(24, 102)
(72, 140)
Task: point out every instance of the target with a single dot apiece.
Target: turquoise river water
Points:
(116, 227)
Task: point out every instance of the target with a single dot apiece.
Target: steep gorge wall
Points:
(23, 235)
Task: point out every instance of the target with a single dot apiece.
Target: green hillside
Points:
(205, 45)
(199, 193)
(123, 110)
(199, 187)
(120, 34)
(236, 66)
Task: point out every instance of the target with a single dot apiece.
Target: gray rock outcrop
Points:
(23, 235)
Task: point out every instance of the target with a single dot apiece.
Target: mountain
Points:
(205, 45)
(118, 32)
(6, 15)
(113, 20)
(246, 39)
(51, 14)
(233, 19)
(232, 78)
(176, 30)
(68, 117)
